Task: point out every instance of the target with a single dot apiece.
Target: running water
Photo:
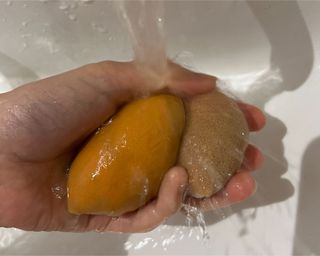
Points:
(195, 215)
(144, 21)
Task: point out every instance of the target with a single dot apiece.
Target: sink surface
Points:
(268, 54)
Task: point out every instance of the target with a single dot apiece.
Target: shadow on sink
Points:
(15, 72)
(307, 232)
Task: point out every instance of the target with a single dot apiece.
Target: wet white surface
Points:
(269, 53)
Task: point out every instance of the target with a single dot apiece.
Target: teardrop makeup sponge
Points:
(214, 142)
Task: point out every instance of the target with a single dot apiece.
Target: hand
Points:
(43, 124)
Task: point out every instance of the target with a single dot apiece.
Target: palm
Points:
(43, 126)
(38, 188)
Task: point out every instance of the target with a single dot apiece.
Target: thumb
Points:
(168, 202)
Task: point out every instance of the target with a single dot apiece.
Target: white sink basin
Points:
(269, 54)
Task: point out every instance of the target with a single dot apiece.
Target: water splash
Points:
(166, 236)
(195, 216)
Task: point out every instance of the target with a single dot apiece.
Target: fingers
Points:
(239, 188)
(153, 214)
(253, 158)
(184, 82)
(255, 118)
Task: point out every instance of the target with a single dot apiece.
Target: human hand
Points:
(44, 123)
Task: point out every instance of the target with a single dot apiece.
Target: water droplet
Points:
(9, 3)
(160, 20)
(25, 5)
(58, 191)
(87, 1)
(24, 46)
(73, 5)
(98, 28)
(128, 245)
(72, 17)
(25, 35)
(64, 6)
(24, 23)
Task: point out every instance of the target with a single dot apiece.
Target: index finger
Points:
(254, 116)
